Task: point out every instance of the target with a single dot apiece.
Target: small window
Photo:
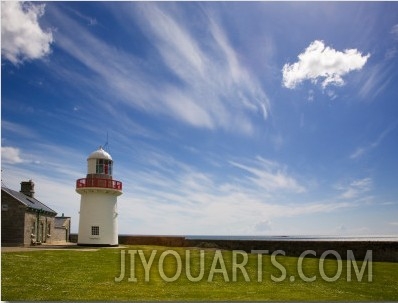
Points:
(95, 230)
(103, 166)
(100, 166)
(4, 207)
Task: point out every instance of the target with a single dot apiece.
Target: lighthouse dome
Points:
(99, 162)
(99, 154)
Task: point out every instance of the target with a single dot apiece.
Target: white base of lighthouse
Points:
(98, 217)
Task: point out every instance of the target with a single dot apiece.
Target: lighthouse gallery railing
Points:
(96, 182)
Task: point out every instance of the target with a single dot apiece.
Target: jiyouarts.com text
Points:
(171, 266)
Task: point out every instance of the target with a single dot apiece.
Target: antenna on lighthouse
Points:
(106, 143)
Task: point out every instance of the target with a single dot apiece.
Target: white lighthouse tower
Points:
(98, 204)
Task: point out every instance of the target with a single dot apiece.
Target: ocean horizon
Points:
(382, 238)
(296, 238)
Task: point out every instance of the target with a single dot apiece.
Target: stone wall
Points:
(172, 241)
(381, 250)
(386, 251)
(60, 235)
(12, 221)
(61, 230)
(43, 231)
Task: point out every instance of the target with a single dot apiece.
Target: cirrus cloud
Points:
(322, 62)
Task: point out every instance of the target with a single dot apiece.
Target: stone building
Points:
(24, 219)
(62, 229)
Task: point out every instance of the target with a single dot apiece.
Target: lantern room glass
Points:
(104, 166)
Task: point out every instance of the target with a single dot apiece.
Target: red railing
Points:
(102, 183)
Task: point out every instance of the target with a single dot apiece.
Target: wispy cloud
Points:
(310, 97)
(209, 69)
(17, 129)
(355, 188)
(322, 62)
(90, 21)
(360, 151)
(376, 80)
(22, 38)
(197, 81)
(270, 176)
(174, 197)
(380, 74)
(202, 203)
(394, 31)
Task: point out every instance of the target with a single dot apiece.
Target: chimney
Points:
(28, 188)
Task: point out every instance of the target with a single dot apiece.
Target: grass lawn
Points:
(78, 274)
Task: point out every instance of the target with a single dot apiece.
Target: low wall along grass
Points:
(148, 273)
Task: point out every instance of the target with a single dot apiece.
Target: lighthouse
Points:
(98, 203)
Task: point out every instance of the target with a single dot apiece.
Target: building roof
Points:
(28, 201)
(100, 154)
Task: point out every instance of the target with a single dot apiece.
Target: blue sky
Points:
(223, 118)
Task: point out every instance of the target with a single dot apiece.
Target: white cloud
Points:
(322, 62)
(11, 155)
(21, 35)
(355, 188)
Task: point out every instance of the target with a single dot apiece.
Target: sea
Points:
(382, 238)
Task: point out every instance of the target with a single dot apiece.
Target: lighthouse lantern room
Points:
(98, 203)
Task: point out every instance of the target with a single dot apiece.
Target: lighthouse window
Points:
(104, 166)
(95, 230)
(100, 166)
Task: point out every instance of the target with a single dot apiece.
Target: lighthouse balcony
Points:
(98, 183)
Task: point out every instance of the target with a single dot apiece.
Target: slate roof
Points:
(28, 201)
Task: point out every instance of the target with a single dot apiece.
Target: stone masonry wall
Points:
(45, 227)
(381, 250)
(60, 235)
(12, 221)
(386, 251)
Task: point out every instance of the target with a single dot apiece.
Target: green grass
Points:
(90, 275)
